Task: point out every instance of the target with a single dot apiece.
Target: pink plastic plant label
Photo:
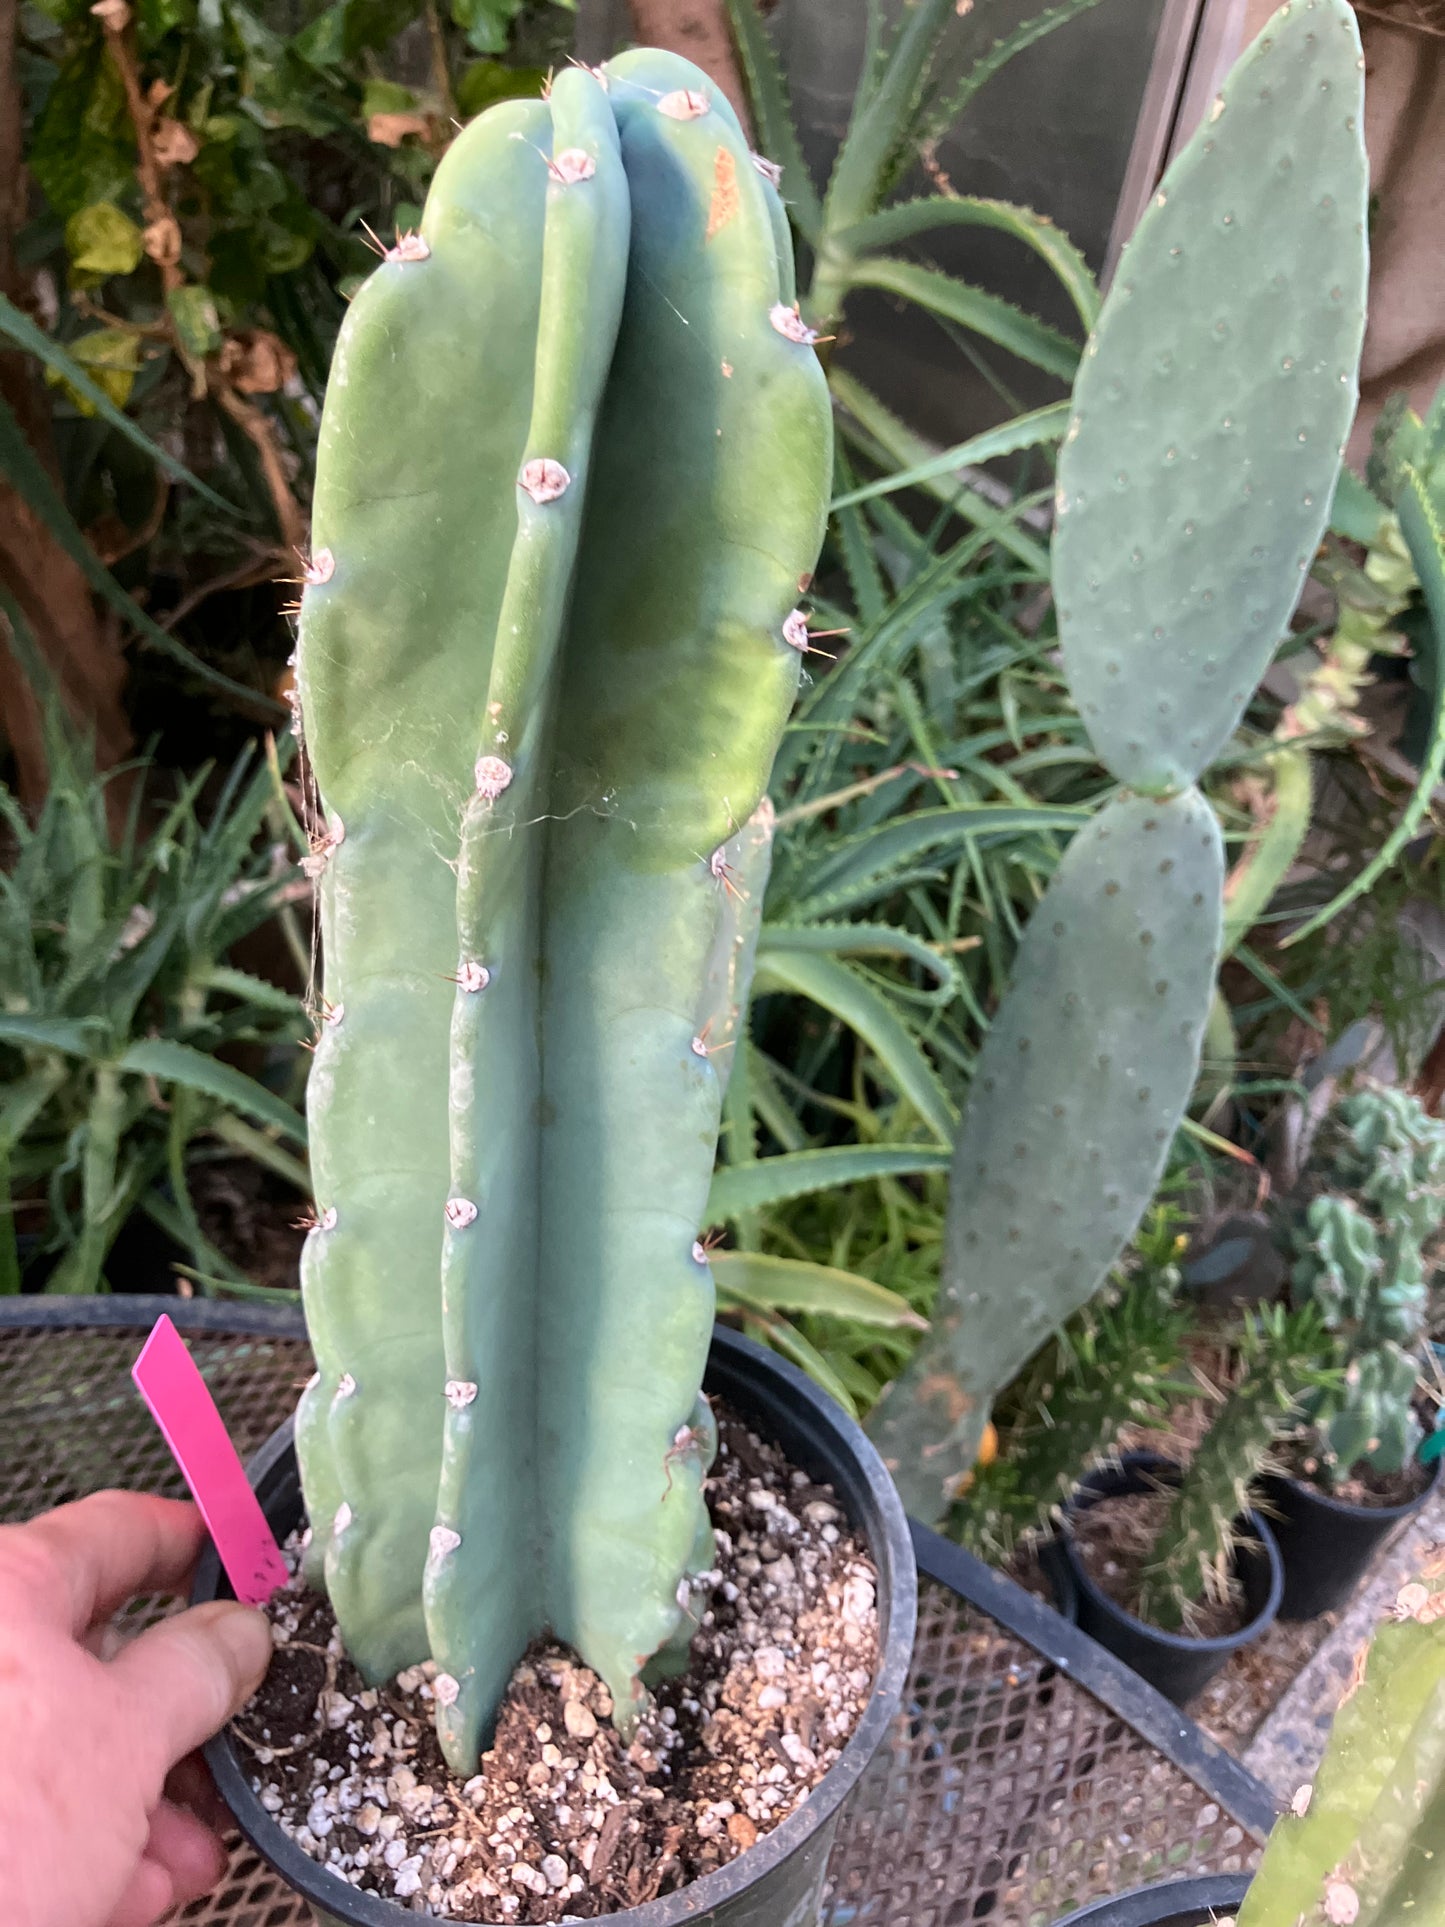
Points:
(182, 1406)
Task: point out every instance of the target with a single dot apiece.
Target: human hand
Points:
(107, 1815)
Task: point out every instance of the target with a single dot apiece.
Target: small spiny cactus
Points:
(1122, 1368)
(1189, 1563)
(1359, 1259)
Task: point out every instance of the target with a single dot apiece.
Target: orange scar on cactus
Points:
(725, 197)
(945, 1392)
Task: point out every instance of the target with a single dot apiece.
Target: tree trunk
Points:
(699, 30)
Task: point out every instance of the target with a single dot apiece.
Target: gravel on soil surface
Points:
(563, 1821)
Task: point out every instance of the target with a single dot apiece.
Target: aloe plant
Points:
(120, 994)
(910, 92)
(573, 478)
(1196, 476)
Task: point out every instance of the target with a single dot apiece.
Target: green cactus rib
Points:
(393, 668)
(1363, 1844)
(481, 1608)
(715, 441)
(1078, 1091)
(741, 867)
(623, 495)
(1212, 406)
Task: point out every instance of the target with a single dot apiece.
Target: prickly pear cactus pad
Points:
(1077, 1094)
(1212, 405)
(1208, 421)
(588, 584)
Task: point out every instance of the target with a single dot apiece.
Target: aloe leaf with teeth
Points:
(574, 471)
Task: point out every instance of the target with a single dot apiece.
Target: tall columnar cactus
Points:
(572, 481)
(1360, 1260)
(1189, 1561)
(1362, 1846)
(1209, 418)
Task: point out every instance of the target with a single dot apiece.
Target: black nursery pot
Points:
(778, 1882)
(1177, 1665)
(1198, 1902)
(1326, 1543)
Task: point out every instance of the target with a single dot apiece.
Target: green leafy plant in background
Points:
(1329, 793)
(1361, 1261)
(910, 92)
(591, 693)
(1195, 481)
(1402, 521)
(1189, 1563)
(121, 1006)
(202, 184)
(1362, 1844)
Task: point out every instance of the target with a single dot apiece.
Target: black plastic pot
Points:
(1172, 1903)
(777, 1883)
(1177, 1665)
(1326, 1543)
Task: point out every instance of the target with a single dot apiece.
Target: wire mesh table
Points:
(1027, 1773)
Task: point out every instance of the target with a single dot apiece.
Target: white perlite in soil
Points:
(562, 1822)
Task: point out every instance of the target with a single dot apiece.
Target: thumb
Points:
(187, 1676)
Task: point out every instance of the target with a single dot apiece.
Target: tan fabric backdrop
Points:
(1405, 132)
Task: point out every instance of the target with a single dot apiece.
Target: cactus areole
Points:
(572, 480)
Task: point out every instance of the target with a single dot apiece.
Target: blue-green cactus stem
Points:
(1362, 1846)
(398, 618)
(705, 522)
(484, 1602)
(591, 573)
(741, 867)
